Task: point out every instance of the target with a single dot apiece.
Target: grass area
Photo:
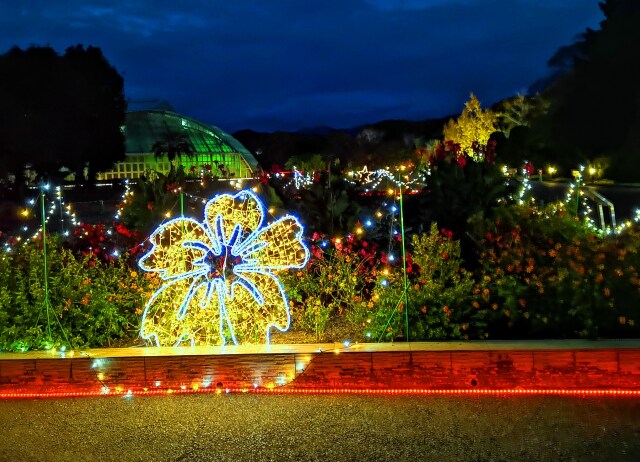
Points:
(336, 428)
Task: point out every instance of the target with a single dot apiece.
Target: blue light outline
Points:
(260, 298)
(217, 220)
(240, 246)
(259, 245)
(185, 244)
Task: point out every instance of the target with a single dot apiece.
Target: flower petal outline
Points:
(175, 300)
(173, 239)
(228, 221)
(265, 292)
(273, 246)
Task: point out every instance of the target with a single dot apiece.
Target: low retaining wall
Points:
(331, 369)
(547, 369)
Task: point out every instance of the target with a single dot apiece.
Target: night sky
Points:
(292, 64)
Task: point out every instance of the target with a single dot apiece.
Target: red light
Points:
(341, 391)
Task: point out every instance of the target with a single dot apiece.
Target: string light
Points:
(299, 179)
(526, 186)
(273, 390)
(55, 204)
(387, 180)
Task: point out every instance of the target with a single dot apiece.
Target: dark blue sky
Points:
(290, 64)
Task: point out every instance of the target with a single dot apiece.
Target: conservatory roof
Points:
(143, 129)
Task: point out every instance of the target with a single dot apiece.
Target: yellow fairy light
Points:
(220, 276)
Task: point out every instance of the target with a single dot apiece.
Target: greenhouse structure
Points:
(212, 149)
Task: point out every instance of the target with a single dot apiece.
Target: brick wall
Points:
(542, 369)
(547, 369)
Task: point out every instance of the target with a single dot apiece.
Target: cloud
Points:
(292, 64)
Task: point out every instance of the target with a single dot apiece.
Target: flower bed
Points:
(537, 276)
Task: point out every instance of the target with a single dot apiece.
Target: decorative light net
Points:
(219, 277)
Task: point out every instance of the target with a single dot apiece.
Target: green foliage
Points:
(438, 292)
(457, 188)
(90, 303)
(174, 146)
(310, 163)
(328, 206)
(150, 199)
(547, 276)
(332, 289)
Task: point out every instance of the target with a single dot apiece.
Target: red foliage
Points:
(99, 242)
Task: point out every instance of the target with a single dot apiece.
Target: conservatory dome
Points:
(212, 147)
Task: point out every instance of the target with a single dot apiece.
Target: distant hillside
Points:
(371, 144)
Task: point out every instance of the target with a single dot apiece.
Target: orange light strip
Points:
(330, 391)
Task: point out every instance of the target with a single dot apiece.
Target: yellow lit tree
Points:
(474, 126)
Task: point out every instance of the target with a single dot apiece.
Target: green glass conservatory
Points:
(212, 147)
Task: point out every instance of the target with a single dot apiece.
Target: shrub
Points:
(457, 187)
(438, 292)
(547, 276)
(334, 287)
(91, 303)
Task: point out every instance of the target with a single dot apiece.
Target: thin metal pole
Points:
(330, 198)
(404, 265)
(578, 195)
(45, 269)
(59, 197)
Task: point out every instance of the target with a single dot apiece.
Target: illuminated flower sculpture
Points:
(220, 277)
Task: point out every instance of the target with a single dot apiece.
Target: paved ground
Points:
(332, 428)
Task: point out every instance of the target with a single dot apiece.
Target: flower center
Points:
(221, 266)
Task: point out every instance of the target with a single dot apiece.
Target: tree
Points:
(474, 126)
(98, 116)
(174, 145)
(311, 163)
(595, 107)
(29, 132)
(518, 111)
(59, 111)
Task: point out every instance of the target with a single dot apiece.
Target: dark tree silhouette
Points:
(595, 106)
(59, 111)
(97, 91)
